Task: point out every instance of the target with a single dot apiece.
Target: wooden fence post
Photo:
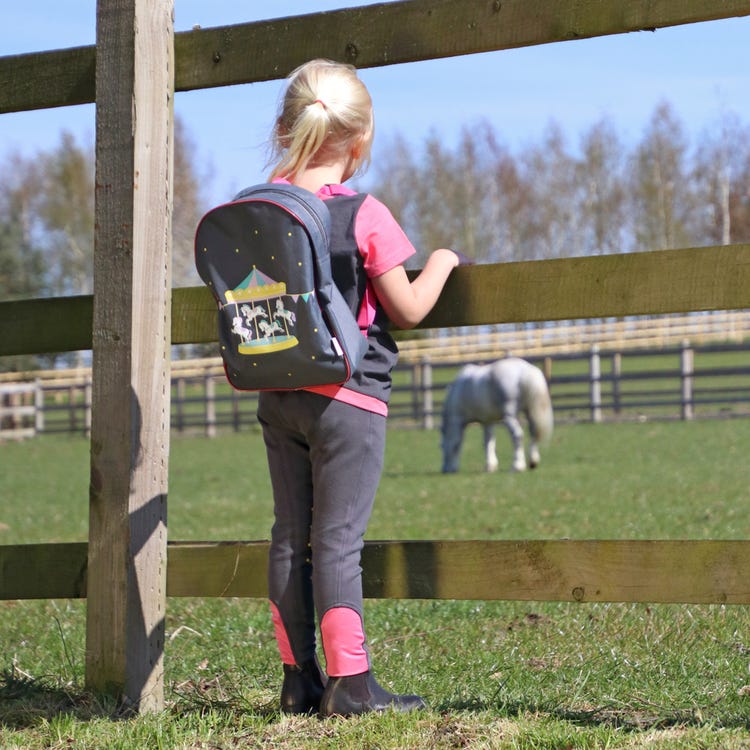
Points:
(616, 375)
(126, 580)
(180, 402)
(547, 369)
(209, 387)
(236, 414)
(595, 377)
(687, 369)
(427, 400)
(72, 407)
(38, 407)
(87, 406)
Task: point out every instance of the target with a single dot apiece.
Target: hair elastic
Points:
(321, 102)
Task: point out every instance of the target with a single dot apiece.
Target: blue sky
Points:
(703, 70)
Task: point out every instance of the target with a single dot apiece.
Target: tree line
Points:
(550, 200)
(544, 200)
(47, 218)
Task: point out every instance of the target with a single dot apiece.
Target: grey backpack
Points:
(283, 324)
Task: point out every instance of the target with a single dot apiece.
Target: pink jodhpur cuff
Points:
(343, 642)
(282, 639)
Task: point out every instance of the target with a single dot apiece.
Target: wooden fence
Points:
(129, 323)
(683, 382)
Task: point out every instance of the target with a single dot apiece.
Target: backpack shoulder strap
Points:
(309, 209)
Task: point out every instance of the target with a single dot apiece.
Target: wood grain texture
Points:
(664, 281)
(131, 351)
(43, 571)
(673, 571)
(370, 36)
(391, 33)
(53, 324)
(41, 80)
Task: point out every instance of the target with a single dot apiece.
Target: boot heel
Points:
(303, 688)
(359, 694)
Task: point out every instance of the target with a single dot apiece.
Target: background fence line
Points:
(596, 385)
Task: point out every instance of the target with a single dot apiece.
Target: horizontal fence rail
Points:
(665, 571)
(602, 286)
(427, 29)
(574, 336)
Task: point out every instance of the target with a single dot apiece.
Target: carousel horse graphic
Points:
(239, 328)
(270, 328)
(251, 313)
(284, 314)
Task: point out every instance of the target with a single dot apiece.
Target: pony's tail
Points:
(539, 409)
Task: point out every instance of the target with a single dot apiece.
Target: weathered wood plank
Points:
(53, 324)
(678, 571)
(131, 351)
(390, 33)
(39, 80)
(43, 571)
(370, 36)
(665, 281)
(226, 569)
(582, 571)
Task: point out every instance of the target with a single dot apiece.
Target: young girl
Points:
(325, 445)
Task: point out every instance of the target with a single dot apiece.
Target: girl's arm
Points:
(407, 302)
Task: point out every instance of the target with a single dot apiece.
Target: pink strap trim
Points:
(343, 642)
(282, 639)
(347, 396)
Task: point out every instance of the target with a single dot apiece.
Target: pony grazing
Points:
(497, 392)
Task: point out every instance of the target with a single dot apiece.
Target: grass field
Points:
(495, 674)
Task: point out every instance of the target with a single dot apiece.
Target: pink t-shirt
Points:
(383, 245)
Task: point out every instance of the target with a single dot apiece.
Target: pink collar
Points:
(327, 191)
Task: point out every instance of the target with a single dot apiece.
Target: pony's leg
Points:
(452, 438)
(516, 436)
(534, 456)
(490, 448)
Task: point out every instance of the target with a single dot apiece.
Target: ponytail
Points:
(326, 111)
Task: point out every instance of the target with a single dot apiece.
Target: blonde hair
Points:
(325, 114)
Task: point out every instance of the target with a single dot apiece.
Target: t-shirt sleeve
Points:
(381, 240)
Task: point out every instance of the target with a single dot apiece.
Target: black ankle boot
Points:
(360, 694)
(303, 688)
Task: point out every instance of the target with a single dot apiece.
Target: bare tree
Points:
(394, 179)
(552, 217)
(662, 200)
(739, 201)
(601, 193)
(545, 201)
(189, 206)
(720, 173)
(66, 210)
(22, 270)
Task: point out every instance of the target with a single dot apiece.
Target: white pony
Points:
(497, 392)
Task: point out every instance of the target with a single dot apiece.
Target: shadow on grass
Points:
(26, 701)
(626, 718)
(412, 472)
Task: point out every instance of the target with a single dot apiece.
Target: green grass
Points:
(495, 674)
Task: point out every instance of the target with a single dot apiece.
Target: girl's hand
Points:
(464, 260)
(406, 301)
